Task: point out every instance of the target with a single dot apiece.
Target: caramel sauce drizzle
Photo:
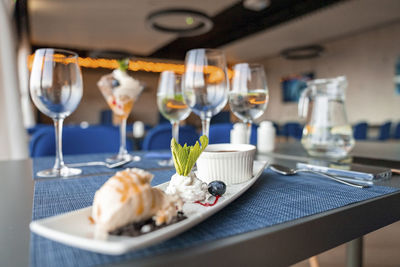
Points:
(92, 221)
(126, 180)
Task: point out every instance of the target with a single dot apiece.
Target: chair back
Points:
(160, 137)
(106, 117)
(360, 131)
(77, 140)
(293, 129)
(396, 134)
(37, 127)
(384, 131)
(221, 132)
(222, 117)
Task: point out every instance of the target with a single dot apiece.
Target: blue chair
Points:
(278, 131)
(292, 129)
(160, 137)
(221, 133)
(396, 134)
(162, 119)
(222, 117)
(360, 131)
(38, 126)
(76, 140)
(106, 117)
(384, 131)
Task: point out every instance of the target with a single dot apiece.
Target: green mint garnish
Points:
(123, 64)
(185, 157)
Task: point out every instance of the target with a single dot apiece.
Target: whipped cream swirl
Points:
(128, 86)
(188, 188)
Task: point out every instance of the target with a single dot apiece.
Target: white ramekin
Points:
(232, 167)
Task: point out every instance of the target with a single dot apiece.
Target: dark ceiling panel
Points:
(237, 22)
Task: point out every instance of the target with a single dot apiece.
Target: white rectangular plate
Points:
(75, 229)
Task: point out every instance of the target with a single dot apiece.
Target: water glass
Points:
(171, 103)
(248, 97)
(56, 90)
(205, 83)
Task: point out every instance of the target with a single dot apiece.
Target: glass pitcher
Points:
(327, 132)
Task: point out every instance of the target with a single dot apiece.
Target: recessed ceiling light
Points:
(185, 22)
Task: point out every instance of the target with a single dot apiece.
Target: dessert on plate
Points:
(184, 182)
(128, 198)
(126, 204)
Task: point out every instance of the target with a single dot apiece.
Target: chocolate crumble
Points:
(144, 227)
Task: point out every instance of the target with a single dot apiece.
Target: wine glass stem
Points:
(205, 125)
(248, 132)
(59, 163)
(175, 130)
(122, 133)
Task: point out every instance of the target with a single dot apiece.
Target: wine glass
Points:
(171, 103)
(205, 84)
(248, 98)
(120, 92)
(56, 90)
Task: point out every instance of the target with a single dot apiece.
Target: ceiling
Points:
(106, 24)
(120, 25)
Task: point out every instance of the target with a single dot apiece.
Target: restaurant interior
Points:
(92, 89)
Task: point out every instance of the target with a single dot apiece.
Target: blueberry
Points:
(114, 83)
(217, 188)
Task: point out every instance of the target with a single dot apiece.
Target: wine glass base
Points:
(63, 172)
(118, 158)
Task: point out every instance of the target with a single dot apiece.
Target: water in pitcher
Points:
(327, 132)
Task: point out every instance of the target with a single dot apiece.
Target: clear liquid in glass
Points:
(206, 101)
(332, 142)
(173, 107)
(328, 134)
(248, 106)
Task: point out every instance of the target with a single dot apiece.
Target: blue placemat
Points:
(273, 199)
(149, 161)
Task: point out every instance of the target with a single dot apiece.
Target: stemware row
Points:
(56, 89)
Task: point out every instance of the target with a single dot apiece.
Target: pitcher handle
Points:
(304, 100)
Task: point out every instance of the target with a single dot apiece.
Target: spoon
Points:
(287, 171)
(100, 163)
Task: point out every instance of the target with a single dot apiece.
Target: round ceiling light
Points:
(185, 22)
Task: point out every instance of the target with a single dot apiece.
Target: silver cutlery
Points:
(288, 171)
(100, 163)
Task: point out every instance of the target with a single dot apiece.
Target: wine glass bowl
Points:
(56, 90)
(171, 103)
(205, 83)
(170, 99)
(249, 96)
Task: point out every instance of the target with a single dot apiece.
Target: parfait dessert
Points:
(120, 91)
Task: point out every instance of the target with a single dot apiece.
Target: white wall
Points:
(367, 59)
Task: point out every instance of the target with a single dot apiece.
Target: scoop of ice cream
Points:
(189, 188)
(128, 197)
(128, 86)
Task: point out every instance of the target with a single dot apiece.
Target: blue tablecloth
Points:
(273, 199)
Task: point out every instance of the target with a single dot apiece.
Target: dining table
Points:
(279, 221)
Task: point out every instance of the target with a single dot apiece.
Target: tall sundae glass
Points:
(120, 91)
